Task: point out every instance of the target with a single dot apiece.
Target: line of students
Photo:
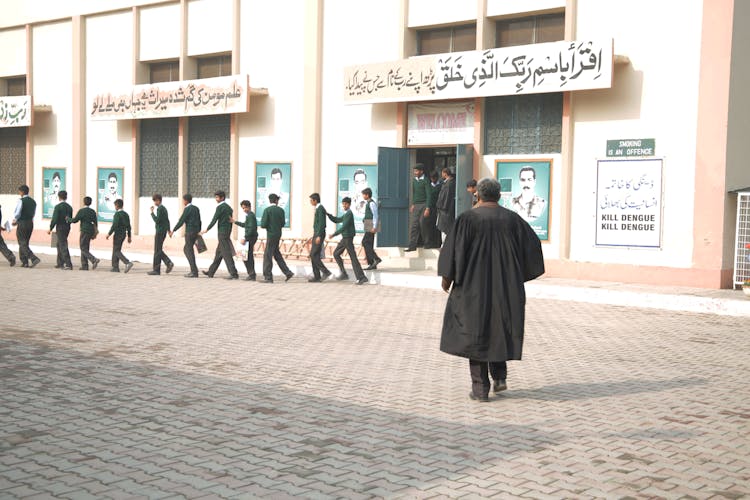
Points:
(272, 221)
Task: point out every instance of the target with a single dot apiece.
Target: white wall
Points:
(13, 50)
(510, 7)
(109, 68)
(210, 26)
(160, 32)
(653, 97)
(431, 12)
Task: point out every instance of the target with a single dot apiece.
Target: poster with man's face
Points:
(352, 179)
(273, 178)
(53, 181)
(525, 189)
(109, 187)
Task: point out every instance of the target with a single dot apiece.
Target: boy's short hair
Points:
(87, 200)
(246, 203)
(118, 203)
(367, 191)
(273, 198)
(188, 197)
(221, 194)
(346, 199)
(23, 189)
(315, 197)
(156, 197)
(63, 195)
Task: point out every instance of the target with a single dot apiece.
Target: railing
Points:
(299, 249)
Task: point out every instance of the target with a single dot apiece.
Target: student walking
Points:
(120, 228)
(191, 217)
(161, 221)
(251, 236)
(224, 249)
(60, 217)
(89, 228)
(347, 232)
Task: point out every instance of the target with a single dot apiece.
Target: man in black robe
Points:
(446, 202)
(487, 257)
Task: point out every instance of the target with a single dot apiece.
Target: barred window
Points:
(523, 124)
(12, 159)
(208, 155)
(209, 67)
(168, 71)
(443, 40)
(16, 86)
(158, 157)
(528, 30)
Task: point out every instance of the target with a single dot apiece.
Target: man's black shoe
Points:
(35, 261)
(94, 264)
(314, 280)
(250, 278)
(499, 385)
(361, 281)
(410, 249)
(208, 274)
(153, 273)
(266, 280)
(191, 275)
(481, 399)
(289, 276)
(170, 266)
(233, 277)
(342, 277)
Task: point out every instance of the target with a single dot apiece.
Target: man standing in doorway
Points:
(224, 249)
(446, 202)
(272, 221)
(60, 217)
(487, 258)
(421, 202)
(161, 221)
(23, 219)
(320, 271)
(191, 217)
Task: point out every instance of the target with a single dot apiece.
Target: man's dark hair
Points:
(346, 199)
(273, 198)
(24, 189)
(447, 170)
(63, 195)
(359, 171)
(471, 183)
(527, 169)
(118, 203)
(188, 198)
(315, 197)
(111, 174)
(367, 191)
(56, 175)
(87, 200)
(277, 170)
(156, 197)
(221, 194)
(419, 167)
(246, 203)
(488, 189)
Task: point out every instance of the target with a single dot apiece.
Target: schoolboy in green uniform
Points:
(347, 233)
(320, 271)
(251, 236)
(191, 217)
(23, 219)
(87, 217)
(120, 228)
(161, 221)
(7, 253)
(272, 221)
(224, 249)
(60, 217)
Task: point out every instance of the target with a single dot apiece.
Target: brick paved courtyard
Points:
(131, 386)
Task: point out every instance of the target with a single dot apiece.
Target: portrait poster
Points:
(109, 187)
(525, 187)
(352, 179)
(273, 178)
(53, 181)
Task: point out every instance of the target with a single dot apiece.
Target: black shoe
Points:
(326, 275)
(35, 261)
(266, 280)
(371, 267)
(410, 249)
(499, 385)
(208, 274)
(83, 268)
(128, 267)
(314, 280)
(25, 264)
(250, 278)
(153, 273)
(68, 268)
(94, 264)
(481, 399)
(342, 277)
(191, 275)
(12, 261)
(58, 267)
(170, 266)
(361, 281)
(233, 277)
(114, 270)
(289, 276)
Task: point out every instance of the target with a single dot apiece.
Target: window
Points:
(523, 124)
(12, 159)
(16, 86)
(528, 30)
(168, 71)
(442, 40)
(209, 67)
(208, 155)
(158, 157)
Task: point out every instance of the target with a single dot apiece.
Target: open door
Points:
(393, 196)
(464, 173)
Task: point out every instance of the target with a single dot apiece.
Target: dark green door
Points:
(464, 173)
(393, 197)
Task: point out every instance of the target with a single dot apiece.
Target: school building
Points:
(618, 129)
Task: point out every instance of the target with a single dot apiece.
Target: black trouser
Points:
(5, 250)
(348, 245)
(159, 255)
(84, 242)
(117, 254)
(23, 234)
(272, 253)
(63, 254)
(418, 227)
(368, 242)
(189, 250)
(250, 262)
(480, 382)
(224, 251)
(316, 249)
(434, 239)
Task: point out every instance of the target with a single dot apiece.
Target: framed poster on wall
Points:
(628, 202)
(53, 181)
(110, 182)
(273, 178)
(525, 188)
(351, 180)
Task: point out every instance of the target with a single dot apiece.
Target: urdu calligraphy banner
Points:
(15, 111)
(525, 69)
(207, 96)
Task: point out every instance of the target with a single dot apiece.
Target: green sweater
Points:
(273, 220)
(250, 225)
(60, 216)
(28, 208)
(222, 215)
(421, 192)
(120, 223)
(191, 217)
(161, 218)
(319, 223)
(347, 224)
(87, 217)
